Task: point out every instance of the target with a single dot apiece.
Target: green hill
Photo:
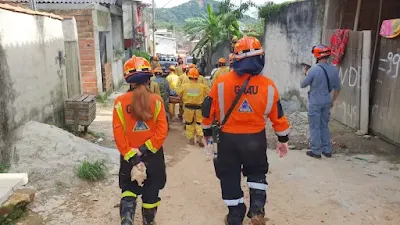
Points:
(177, 15)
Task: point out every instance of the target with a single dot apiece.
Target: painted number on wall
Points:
(390, 64)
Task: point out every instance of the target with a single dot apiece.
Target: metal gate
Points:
(385, 108)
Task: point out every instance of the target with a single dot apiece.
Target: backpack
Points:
(163, 84)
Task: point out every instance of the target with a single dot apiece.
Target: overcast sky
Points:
(161, 3)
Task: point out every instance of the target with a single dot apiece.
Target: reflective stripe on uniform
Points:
(120, 113)
(157, 110)
(258, 186)
(150, 146)
(129, 155)
(248, 54)
(234, 202)
(283, 133)
(205, 126)
(270, 100)
(150, 206)
(221, 101)
(128, 194)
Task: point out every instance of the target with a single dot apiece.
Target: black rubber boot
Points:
(257, 202)
(257, 206)
(149, 215)
(127, 210)
(236, 214)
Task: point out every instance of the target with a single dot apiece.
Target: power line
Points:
(167, 3)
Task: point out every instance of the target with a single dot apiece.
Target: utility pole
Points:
(154, 28)
(32, 5)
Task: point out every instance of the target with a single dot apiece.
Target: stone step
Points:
(10, 182)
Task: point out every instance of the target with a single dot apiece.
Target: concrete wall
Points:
(118, 47)
(288, 41)
(32, 72)
(91, 19)
(222, 50)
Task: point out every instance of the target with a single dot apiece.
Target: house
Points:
(135, 27)
(365, 38)
(165, 42)
(100, 37)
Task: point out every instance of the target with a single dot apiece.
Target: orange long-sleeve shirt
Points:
(130, 133)
(259, 102)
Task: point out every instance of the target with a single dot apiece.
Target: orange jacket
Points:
(130, 133)
(259, 102)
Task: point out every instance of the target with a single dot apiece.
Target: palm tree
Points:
(216, 27)
(210, 29)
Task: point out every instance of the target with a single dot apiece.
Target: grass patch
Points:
(11, 218)
(4, 167)
(102, 97)
(92, 171)
(96, 134)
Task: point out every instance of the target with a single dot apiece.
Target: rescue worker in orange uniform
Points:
(140, 128)
(241, 142)
(221, 70)
(193, 94)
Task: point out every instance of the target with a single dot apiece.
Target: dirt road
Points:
(302, 191)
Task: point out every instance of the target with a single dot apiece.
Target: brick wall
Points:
(108, 76)
(84, 24)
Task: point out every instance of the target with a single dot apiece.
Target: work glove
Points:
(282, 149)
(138, 173)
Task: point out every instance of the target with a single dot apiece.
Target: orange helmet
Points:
(321, 51)
(158, 70)
(193, 73)
(136, 65)
(192, 65)
(248, 47)
(222, 60)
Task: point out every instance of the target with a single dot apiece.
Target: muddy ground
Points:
(349, 188)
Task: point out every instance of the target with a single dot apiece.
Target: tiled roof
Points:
(111, 2)
(28, 11)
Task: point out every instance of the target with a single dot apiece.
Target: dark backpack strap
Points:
(235, 101)
(327, 78)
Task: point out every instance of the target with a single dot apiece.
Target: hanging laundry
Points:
(339, 41)
(390, 28)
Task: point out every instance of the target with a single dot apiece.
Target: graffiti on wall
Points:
(390, 64)
(350, 76)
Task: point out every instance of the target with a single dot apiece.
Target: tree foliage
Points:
(176, 16)
(216, 26)
(270, 9)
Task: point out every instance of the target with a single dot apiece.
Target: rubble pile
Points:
(50, 155)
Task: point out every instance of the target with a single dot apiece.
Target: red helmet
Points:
(321, 51)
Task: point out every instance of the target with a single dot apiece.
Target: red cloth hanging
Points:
(339, 41)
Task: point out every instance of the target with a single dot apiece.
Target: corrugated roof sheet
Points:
(28, 11)
(111, 2)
